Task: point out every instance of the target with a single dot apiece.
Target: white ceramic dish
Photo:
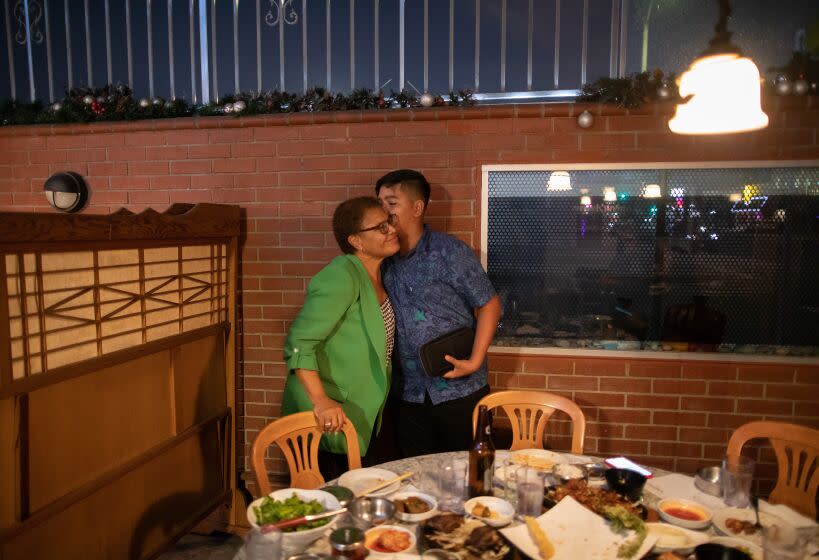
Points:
(722, 516)
(540, 459)
(745, 546)
(415, 517)
(372, 534)
(297, 541)
(700, 510)
(505, 511)
(673, 538)
(358, 480)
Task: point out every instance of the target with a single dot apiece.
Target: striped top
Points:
(389, 326)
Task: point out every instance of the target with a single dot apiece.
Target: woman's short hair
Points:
(348, 217)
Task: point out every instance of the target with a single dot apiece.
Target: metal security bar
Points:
(176, 48)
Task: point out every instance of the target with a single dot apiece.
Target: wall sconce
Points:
(66, 191)
(722, 88)
(652, 191)
(559, 181)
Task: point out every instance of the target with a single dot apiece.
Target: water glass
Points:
(427, 477)
(530, 487)
(506, 474)
(782, 544)
(453, 486)
(263, 546)
(736, 477)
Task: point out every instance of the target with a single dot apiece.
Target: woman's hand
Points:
(329, 415)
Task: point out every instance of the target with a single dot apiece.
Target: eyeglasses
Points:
(383, 227)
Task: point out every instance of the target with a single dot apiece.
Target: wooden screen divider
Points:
(117, 380)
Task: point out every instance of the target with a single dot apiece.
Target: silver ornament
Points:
(88, 99)
(585, 119)
(427, 100)
(169, 104)
(663, 92)
(157, 101)
(228, 108)
(801, 87)
(100, 99)
(56, 106)
(239, 106)
(783, 85)
(144, 103)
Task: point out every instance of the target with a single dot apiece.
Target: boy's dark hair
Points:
(347, 219)
(410, 180)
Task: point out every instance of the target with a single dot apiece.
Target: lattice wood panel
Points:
(65, 307)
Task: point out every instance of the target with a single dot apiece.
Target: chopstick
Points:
(382, 484)
(301, 520)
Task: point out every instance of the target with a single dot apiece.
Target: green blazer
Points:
(340, 333)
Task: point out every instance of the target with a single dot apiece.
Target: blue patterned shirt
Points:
(434, 290)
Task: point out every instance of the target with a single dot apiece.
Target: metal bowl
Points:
(369, 511)
(343, 494)
(707, 480)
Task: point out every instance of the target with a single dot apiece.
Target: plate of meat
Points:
(739, 523)
(593, 497)
(469, 539)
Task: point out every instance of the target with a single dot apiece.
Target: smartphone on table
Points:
(623, 463)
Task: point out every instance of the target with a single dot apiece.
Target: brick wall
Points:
(289, 171)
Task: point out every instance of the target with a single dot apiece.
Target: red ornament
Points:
(97, 107)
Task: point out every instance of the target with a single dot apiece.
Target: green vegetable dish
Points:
(273, 511)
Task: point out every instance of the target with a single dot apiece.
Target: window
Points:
(662, 257)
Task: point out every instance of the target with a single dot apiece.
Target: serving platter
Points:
(469, 539)
(361, 479)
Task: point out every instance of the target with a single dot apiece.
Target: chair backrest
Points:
(529, 411)
(796, 449)
(298, 435)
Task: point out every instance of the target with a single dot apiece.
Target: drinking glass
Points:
(508, 470)
(263, 546)
(530, 486)
(427, 477)
(453, 486)
(736, 481)
(782, 543)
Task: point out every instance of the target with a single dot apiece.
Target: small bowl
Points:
(684, 513)
(678, 539)
(565, 472)
(372, 535)
(504, 509)
(415, 517)
(371, 510)
(626, 482)
(708, 480)
(714, 551)
(343, 494)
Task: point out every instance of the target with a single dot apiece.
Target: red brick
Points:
(572, 383)
(735, 389)
(170, 182)
(653, 401)
(632, 122)
(301, 208)
(602, 366)
(299, 148)
(234, 165)
(654, 368)
(298, 179)
(148, 197)
(505, 363)
(708, 404)
(624, 416)
(729, 421)
(230, 135)
(95, 154)
(673, 418)
(764, 372)
(208, 152)
(675, 449)
(596, 141)
(807, 374)
(586, 399)
(190, 167)
(520, 381)
(625, 384)
(347, 146)
(371, 130)
(325, 162)
(622, 447)
(166, 152)
(275, 133)
(705, 370)
(668, 433)
(548, 364)
(148, 168)
(678, 387)
(266, 183)
(765, 407)
(705, 435)
(144, 139)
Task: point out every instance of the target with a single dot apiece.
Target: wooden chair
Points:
(297, 435)
(796, 449)
(529, 411)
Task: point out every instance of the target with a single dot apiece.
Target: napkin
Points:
(682, 486)
(788, 515)
(575, 532)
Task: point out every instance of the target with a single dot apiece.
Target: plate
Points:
(372, 535)
(722, 516)
(697, 516)
(466, 538)
(361, 479)
(539, 459)
(503, 510)
(415, 517)
(670, 537)
(745, 546)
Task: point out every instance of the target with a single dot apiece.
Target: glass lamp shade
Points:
(652, 191)
(585, 200)
(559, 181)
(609, 195)
(725, 97)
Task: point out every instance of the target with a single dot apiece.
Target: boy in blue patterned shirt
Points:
(436, 285)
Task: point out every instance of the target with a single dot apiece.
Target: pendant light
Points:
(721, 88)
(559, 181)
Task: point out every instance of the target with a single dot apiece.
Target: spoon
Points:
(301, 520)
(755, 503)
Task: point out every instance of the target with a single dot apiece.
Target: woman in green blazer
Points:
(339, 346)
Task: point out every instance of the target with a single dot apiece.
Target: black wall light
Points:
(66, 191)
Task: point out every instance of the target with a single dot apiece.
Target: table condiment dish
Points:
(388, 539)
(429, 501)
(495, 512)
(684, 513)
(371, 510)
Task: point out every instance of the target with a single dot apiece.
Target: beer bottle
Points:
(482, 457)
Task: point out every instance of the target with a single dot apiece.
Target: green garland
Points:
(117, 103)
(632, 91)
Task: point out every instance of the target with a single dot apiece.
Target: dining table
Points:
(661, 485)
